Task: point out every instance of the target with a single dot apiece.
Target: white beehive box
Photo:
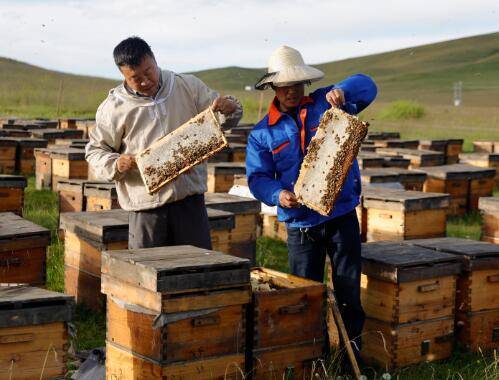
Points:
(328, 160)
(180, 150)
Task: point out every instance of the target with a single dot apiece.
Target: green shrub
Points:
(401, 110)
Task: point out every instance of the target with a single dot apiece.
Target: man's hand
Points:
(336, 97)
(125, 163)
(224, 105)
(288, 200)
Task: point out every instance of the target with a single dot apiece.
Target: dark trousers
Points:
(340, 239)
(184, 222)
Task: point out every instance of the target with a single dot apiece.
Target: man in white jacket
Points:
(149, 104)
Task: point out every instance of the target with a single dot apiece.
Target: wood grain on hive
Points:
(68, 163)
(25, 154)
(484, 160)
(329, 157)
(180, 150)
(100, 196)
(418, 158)
(489, 208)
(71, 196)
(272, 228)
(221, 175)
(477, 301)
(8, 147)
(12, 193)
(486, 146)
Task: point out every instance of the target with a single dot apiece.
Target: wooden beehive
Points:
(8, 147)
(43, 160)
(25, 154)
(237, 152)
(454, 148)
(100, 196)
(464, 183)
(33, 332)
(396, 162)
(86, 235)
(418, 158)
(489, 208)
(247, 219)
(12, 193)
(477, 301)
(329, 157)
(71, 194)
(435, 145)
(236, 138)
(408, 295)
(287, 316)
(409, 179)
(202, 297)
(67, 123)
(14, 133)
(484, 160)
(369, 160)
(68, 163)
(72, 143)
(393, 214)
(382, 135)
(188, 145)
(51, 134)
(23, 250)
(274, 229)
(221, 224)
(377, 176)
(486, 146)
(221, 175)
(397, 143)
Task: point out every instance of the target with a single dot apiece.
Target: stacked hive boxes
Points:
(12, 193)
(33, 333)
(221, 175)
(477, 303)
(408, 295)
(450, 148)
(287, 316)
(25, 156)
(23, 250)
(71, 198)
(396, 143)
(8, 148)
(484, 160)
(464, 183)
(418, 158)
(409, 179)
(43, 161)
(175, 312)
(68, 163)
(51, 134)
(100, 196)
(489, 207)
(391, 214)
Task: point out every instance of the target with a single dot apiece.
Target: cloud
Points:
(78, 36)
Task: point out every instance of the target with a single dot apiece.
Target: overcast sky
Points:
(79, 36)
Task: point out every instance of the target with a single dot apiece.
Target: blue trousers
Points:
(340, 239)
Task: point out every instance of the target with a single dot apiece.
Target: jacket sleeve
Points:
(101, 152)
(360, 91)
(260, 170)
(204, 97)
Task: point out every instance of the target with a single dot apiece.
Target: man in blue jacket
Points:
(275, 151)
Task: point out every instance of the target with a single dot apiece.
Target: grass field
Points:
(41, 207)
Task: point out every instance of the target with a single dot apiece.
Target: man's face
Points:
(289, 97)
(143, 78)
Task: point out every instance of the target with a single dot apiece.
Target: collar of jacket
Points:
(274, 113)
(165, 90)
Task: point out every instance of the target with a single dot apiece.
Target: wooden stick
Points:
(333, 305)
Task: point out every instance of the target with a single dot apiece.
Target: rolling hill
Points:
(423, 73)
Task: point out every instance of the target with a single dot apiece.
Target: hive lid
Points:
(478, 156)
(409, 152)
(232, 203)
(377, 175)
(13, 227)
(406, 173)
(31, 142)
(11, 180)
(458, 171)
(399, 262)
(176, 268)
(68, 153)
(220, 220)
(8, 141)
(25, 306)
(489, 204)
(100, 226)
(227, 168)
(99, 188)
(407, 200)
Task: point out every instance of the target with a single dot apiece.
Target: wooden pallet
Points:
(23, 246)
(12, 193)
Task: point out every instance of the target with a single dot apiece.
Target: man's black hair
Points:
(131, 52)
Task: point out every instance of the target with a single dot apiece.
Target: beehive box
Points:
(418, 158)
(23, 250)
(489, 208)
(180, 150)
(67, 123)
(454, 148)
(477, 301)
(237, 152)
(33, 332)
(369, 160)
(376, 135)
(396, 162)
(486, 146)
(8, 147)
(68, 163)
(86, 234)
(435, 145)
(221, 224)
(71, 194)
(12, 193)
(241, 180)
(464, 183)
(378, 175)
(86, 126)
(409, 179)
(397, 143)
(202, 296)
(236, 138)
(393, 214)
(247, 220)
(51, 134)
(287, 316)
(274, 229)
(72, 143)
(221, 175)
(14, 133)
(484, 160)
(100, 196)
(334, 146)
(25, 155)
(43, 161)
(408, 295)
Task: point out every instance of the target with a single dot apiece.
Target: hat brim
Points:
(290, 75)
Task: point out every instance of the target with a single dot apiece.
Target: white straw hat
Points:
(286, 66)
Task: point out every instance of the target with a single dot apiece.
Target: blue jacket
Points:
(278, 143)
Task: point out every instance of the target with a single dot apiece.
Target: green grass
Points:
(402, 110)
(41, 207)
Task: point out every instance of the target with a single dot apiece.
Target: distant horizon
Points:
(118, 78)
